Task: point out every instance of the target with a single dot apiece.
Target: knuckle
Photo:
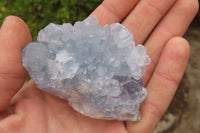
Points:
(111, 9)
(155, 7)
(152, 108)
(12, 70)
(167, 77)
(12, 76)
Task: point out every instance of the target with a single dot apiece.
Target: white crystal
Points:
(63, 56)
(96, 69)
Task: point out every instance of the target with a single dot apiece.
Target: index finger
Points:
(111, 11)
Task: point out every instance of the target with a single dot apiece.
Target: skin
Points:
(158, 24)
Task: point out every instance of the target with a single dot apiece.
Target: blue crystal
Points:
(96, 69)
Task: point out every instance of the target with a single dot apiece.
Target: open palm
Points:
(155, 23)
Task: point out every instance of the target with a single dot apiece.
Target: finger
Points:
(14, 35)
(111, 11)
(145, 17)
(163, 84)
(175, 23)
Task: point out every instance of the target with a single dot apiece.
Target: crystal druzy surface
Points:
(96, 69)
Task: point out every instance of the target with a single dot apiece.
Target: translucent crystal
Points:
(96, 69)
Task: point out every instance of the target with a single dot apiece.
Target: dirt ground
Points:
(183, 115)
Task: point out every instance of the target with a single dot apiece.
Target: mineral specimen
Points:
(96, 69)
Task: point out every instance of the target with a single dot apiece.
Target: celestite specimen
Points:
(96, 69)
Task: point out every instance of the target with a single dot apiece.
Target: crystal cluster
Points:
(96, 69)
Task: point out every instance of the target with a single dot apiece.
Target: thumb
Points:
(14, 35)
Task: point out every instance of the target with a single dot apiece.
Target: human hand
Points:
(24, 108)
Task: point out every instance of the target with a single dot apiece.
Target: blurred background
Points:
(183, 115)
